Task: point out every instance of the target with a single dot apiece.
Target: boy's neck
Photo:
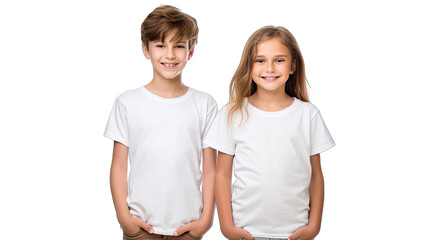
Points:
(167, 88)
(270, 101)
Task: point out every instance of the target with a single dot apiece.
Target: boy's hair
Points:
(242, 84)
(167, 19)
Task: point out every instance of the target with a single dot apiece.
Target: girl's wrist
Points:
(206, 222)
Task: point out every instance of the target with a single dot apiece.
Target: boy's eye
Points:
(159, 46)
(180, 46)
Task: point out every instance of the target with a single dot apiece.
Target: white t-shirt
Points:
(165, 141)
(271, 164)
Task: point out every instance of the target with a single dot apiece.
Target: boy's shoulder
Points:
(130, 93)
(200, 94)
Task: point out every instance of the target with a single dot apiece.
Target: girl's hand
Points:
(197, 228)
(132, 225)
(236, 233)
(304, 233)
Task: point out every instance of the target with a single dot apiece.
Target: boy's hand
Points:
(304, 233)
(133, 224)
(197, 228)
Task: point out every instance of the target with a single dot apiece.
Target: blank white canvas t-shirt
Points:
(271, 164)
(165, 141)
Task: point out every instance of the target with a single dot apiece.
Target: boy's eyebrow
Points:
(159, 41)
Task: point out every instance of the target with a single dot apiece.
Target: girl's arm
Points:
(198, 228)
(118, 185)
(316, 191)
(223, 199)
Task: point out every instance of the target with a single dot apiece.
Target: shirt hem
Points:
(163, 232)
(218, 147)
(323, 148)
(116, 138)
(261, 235)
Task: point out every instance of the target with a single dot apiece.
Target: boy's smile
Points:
(169, 65)
(168, 58)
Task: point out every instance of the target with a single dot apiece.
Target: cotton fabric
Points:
(271, 164)
(165, 141)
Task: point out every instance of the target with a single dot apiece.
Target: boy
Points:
(160, 127)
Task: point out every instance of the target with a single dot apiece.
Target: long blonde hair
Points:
(242, 84)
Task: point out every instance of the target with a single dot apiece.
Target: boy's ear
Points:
(191, 52)
(145, 51)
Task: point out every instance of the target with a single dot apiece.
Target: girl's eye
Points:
(259, 61)
(280, 60)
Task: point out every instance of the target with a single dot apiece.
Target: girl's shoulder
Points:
(307, 107)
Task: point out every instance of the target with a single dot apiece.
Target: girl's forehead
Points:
(272, 46)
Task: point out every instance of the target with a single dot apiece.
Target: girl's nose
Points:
(270, 68)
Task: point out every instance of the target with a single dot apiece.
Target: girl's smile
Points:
(270, 78)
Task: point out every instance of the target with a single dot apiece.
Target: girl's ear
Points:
(293, 66)
(145, 51)
(191, 53)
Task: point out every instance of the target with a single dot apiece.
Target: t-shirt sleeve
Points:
(117, 126)
(211, 115)
(320, 138)
(219, 136)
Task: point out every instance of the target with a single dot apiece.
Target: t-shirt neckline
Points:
(167, 100)
(282, 112)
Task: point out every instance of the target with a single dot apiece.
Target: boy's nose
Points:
(170, 54)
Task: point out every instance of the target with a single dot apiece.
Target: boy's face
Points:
(168, 58)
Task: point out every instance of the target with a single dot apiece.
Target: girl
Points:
(273, 137)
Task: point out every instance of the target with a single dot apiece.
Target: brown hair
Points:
(242, 84)
(166, 19)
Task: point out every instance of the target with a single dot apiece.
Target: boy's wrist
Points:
(314, 227)
(124, 217)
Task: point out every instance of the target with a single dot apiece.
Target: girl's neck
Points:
(167, 88)
(270, 102)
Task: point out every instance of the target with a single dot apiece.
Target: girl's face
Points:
(272, 65)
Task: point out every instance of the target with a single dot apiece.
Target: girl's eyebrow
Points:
(274, 56)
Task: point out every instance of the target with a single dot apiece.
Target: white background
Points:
(64, 62)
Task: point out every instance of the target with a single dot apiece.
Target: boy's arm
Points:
(316, 191)
(223, 199)
(209, 173)
(118, 185)
(198, 228)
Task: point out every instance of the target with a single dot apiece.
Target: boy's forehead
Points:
(173, 36)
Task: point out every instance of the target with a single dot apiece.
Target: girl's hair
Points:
(242, 84)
